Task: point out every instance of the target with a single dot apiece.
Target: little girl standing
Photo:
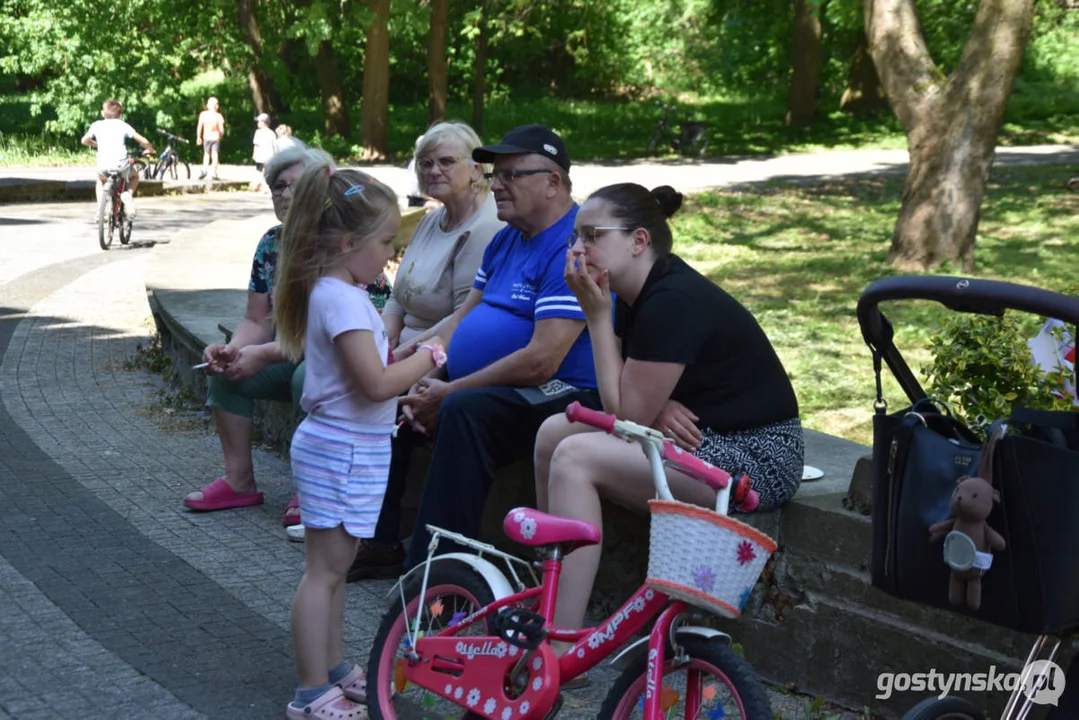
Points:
(338, 234)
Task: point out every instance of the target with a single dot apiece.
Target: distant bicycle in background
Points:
(113, 210)
(170, 163)
(690, 139)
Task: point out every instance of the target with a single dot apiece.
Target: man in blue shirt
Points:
(518, 353)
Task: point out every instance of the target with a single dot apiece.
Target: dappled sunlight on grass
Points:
(800, 256)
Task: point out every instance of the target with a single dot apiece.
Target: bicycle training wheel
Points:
(454, 591)
(947, 708)
(105, 218)
(716, 682)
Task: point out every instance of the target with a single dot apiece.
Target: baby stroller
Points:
(919, 454)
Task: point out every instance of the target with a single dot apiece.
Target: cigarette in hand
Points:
(200, 366)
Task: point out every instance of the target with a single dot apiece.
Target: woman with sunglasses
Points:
(675, 352)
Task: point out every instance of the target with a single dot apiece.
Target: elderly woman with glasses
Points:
(675, 352)
(251, 365)
(440, 262)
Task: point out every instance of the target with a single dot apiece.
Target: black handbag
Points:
(920, 452)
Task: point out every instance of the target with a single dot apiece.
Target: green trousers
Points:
(282, 382)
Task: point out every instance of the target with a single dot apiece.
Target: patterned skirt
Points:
(341, 470)
(772, 456)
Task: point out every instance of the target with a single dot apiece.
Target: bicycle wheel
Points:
(694, 140)
(1073, 184)
(105, 217)
(454, 592)
(186, 175)
(149, 170)
(655, 137)
(716, 682)
(126, 226)
(948, 708)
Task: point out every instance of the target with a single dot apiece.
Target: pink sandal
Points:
(330, 705)
(354, 685)
(219, 496)
(290, 519)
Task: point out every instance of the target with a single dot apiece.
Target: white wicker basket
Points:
(706, 559)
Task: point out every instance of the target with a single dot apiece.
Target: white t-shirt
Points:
(111, 136)
(329, 390)
(264, 143)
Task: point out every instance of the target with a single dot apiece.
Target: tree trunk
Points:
(263, 93)
(863, 94)
(334, 107)
(802, 100)
(376, 83)
(478, 71)
(436, 61)
(951, 122)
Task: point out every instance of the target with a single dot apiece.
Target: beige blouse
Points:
(438, 268)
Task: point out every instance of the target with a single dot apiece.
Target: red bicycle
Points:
(112, 214)
(462, 636)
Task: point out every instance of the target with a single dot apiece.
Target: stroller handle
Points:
(973, 295)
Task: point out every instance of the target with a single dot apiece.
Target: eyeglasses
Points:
(507, 176)
(588, 235)
(445, 164)
(279, 188)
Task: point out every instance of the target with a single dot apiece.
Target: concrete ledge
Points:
(20, 190)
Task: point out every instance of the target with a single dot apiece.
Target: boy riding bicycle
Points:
(109, 137)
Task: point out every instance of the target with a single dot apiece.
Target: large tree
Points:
(951, 121)
(374, 115)
(802, 99)
(436, 60)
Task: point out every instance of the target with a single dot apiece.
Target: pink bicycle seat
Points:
(532, 527)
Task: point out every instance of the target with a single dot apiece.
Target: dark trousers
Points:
(479, 430)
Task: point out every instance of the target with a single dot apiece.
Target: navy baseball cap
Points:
(538, 139)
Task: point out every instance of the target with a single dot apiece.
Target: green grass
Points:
(799, 256)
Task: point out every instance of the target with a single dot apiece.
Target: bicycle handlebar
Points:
(671, 455)
(167, 134)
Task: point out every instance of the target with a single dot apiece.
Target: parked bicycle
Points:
(112, 211)
(464, 636)
(690, 139)
(170, 162)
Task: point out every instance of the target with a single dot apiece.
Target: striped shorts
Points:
(341, 470)
(772, 456)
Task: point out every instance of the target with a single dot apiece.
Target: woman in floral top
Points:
(251, 365)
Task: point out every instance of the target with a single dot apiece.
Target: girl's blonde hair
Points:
(326, 205)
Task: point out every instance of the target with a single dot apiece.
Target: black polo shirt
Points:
(733, 378)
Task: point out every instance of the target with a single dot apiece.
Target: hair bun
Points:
(668, 199)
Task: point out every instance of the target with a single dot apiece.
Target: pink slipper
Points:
(219, 496)
(290, 519)
(330, 705)
(354, 685)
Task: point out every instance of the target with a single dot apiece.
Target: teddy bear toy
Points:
(968, 539)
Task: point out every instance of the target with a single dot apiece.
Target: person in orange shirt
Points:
(210, 130)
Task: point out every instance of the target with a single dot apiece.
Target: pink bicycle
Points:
(464, 637)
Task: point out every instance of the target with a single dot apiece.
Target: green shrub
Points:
(982, 368)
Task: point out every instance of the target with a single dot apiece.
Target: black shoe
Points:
(377, 562)
(202, 175)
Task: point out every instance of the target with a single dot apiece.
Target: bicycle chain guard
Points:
(519, 627)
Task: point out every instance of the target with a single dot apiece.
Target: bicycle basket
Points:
(708, 560)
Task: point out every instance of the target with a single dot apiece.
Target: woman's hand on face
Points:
(594, 296)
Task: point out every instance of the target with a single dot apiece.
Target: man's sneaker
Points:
(377, 561)
(202, 175)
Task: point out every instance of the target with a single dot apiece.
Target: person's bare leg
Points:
(553, 430)
(235, 432)
(315, 626)
(584, 468)
(215, 162)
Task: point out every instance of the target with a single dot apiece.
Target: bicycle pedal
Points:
(519, 627)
